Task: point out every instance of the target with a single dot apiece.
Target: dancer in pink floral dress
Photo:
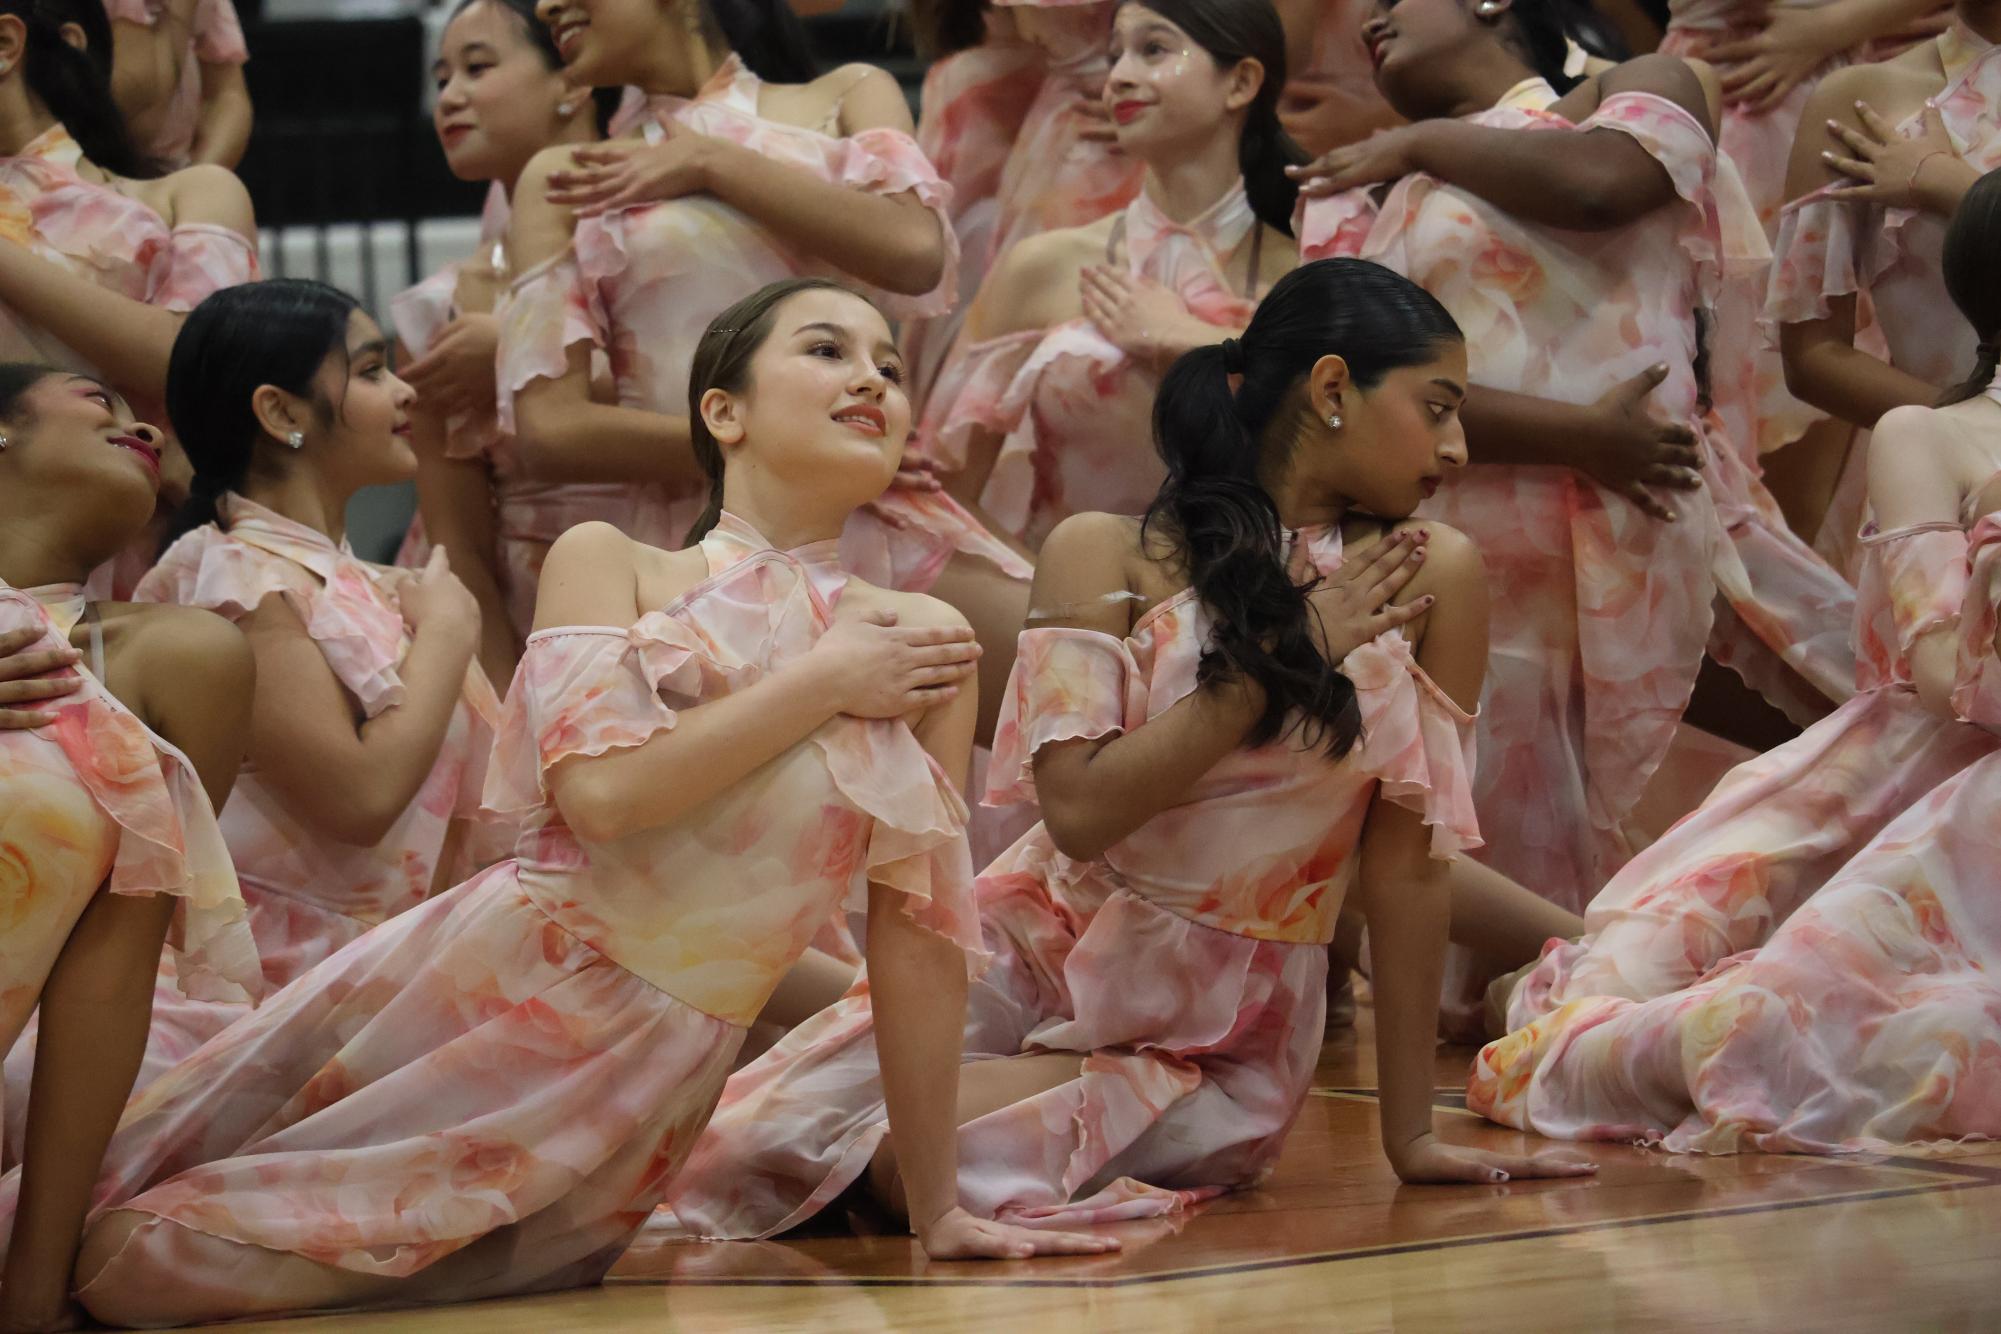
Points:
(106, 812)
(1151, 1020)
(1855, 288)
(177, 67)
(104, 255)
(488, 1094)
(982, 80)
(1805, 963)
(502, 98)
(1576, 341)
(368, 747)
(1044, 410)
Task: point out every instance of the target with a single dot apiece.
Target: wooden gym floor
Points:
(1334, 1242)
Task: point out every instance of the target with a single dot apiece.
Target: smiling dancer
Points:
(487, 1095)
(112, 845)
(1149, 1025)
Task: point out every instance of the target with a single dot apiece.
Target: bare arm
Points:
(565, 434)
(353, 780)
(128, 340)
(1406, 896)
(1094, 792)
(455, 497)
(146, 62)
(210, 723)
(590, 579)
(1823, 366)
(223, 131)
(1912, 480)
(1591, 180)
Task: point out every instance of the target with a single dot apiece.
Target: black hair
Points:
(1222, 448)
(766, 34)
(1540, 32)
(278, 332)
(1234, 30)
(940, 28)
(722, 361)
(75, 85)
(606, 100)
(1973, 278)
(16, 379)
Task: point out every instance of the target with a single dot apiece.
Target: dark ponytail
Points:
(1222, 449)
(1234, 30)
(766, 34)
(722, 361)
(1973, 278)
(75, 85)
(537, 33)
(276, 332)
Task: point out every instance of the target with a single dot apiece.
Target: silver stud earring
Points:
(3, 442)
(566, 109)
(1333, 421)
(297, 440)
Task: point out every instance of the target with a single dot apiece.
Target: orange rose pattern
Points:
(1190, 981)
(1602, 615)
(1805, 963)
(523, 1063)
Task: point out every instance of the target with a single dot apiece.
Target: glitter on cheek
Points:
(1182, 62)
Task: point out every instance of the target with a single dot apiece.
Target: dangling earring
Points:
(1333, 421)
(297, 439)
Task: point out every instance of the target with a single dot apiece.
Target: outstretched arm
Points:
(1406, 896)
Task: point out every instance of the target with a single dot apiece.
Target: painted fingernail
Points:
(1427, 600)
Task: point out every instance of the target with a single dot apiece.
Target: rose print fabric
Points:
(973, 105)
(97, 802)
(1603, 614)
(1074, 413)
(1185, 968)
(216, 39)
(1828, 248)
(1800, 965)
(642, 283)
(488, 1094)
(1055, 177)
(309, 893)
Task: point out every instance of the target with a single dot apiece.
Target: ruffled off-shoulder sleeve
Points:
(889, 162)
(586, 690)
(1334, 226)
(1913, 581)
(198, 261)
(1067, 685)
(972, 394)
(547, 311)
(1415, 741)
(359, 634)
(1976, 694)
(1678, 142)
(168, 841)
(1827, 248)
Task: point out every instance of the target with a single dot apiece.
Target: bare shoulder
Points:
(912, 609)
(1111, 540)
(207, 194)
(1034, 286)
(1663, 76)
(588, 578)
(1919, 467)
(168, 642)
(1895, 88)
(868, 96)
(1453, 567)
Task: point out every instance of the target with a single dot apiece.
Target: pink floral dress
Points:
(510, 1075)
(1074, 413)
(642, 283)
(97, 802)
(1186, 967)
(529, 515)
(1869, 1017)
(309, 893)
(973, 106)
(1890, 260)
(216, 39)
(1054, 177)
(1602, 614)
